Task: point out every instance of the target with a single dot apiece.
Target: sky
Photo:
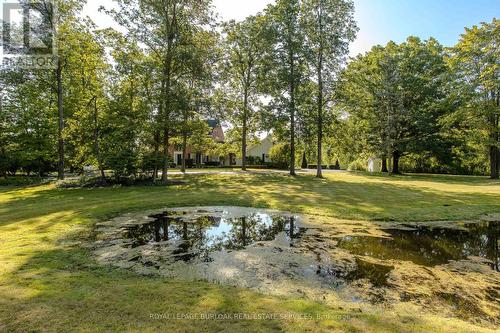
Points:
(379, 21)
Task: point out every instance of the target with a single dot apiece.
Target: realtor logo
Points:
(28, 37)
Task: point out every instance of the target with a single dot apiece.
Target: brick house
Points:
(203, 158)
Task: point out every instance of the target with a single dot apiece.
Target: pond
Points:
(199, 235)
(315, 257)
(431, 246)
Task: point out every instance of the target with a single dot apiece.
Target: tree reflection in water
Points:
(207, 234)
(431, 246)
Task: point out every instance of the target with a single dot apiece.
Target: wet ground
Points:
(442, 266)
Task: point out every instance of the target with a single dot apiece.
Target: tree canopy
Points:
(125, 101)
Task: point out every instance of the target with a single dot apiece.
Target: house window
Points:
(178, 158)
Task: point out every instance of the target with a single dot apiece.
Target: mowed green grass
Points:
(50, 282)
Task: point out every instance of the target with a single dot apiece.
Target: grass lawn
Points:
(49, 281)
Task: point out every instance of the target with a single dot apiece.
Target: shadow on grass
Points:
(353, 199)
(437, 178)
(49, 282)
(63, 289)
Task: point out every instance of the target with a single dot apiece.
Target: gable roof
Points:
(213, 123)
(260, 143)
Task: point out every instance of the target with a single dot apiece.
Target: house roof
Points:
(267, 138)
(213, 123)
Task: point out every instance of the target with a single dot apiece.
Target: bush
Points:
(149, 161)
(358, 165)
(280, 156)
(92, 182)
(23, 181)
(315, 166)
(336, 166)
(212, 164)
(254, 160)
(260, 166)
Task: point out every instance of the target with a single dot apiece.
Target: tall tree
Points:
(202, 55)
(329, 27)
(164, 26)
(476, 63)
(61, 18)
(395, 95)
(244, 59)
(286, 63)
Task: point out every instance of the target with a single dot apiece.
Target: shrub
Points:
(280, 156)
(336, 166)
(358, 165)
(260, 166)
(315, 166)
(212, 164)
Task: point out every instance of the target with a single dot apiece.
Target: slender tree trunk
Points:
(384, 164)
(497, 134)
(292, 114)
(158, 139)
(164, 176)
(244, 134)
(3, 153)
(166, 116)
(60, 168)
(156, 154)
(494, 151)
(184, 151)
(166, 81)
(96, 143)
(494, 162)
(319, 173)
(395, 162)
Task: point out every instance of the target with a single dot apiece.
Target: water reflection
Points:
(430, 247)
(199, 237)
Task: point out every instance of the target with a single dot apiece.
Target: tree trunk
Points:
(156, 154)
(494, 156)
(292, 115)
(164, 175)
(96, 143)
(60, 167)
(184, 151)
(494, 151)
(319, 173)
(384, 164)
(292, 140)
(395, 162)
(3, 153)
(166, 116)
(244, 134)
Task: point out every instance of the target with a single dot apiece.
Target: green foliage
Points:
(358, 165)
(127, 99)
(280, 156)
(475, 88)
(394, 96)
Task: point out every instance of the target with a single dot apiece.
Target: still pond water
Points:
(203, 235)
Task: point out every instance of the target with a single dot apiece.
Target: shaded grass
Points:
(49, 281)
